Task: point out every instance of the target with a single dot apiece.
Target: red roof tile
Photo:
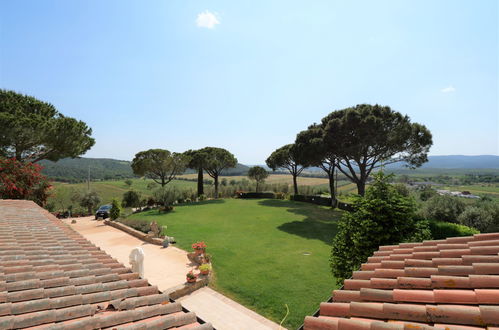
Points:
(53, 278)
(444, 284)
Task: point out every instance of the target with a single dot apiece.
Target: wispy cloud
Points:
(449, 89)
(207, 19)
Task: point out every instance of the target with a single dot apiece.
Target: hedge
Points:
(442, 229)
(256, 195)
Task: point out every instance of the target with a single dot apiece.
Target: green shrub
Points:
(382, 217)
(402, 189)
(444, 208)
(422, 232)
(426, 192)
(140, 225)
(476, 217)
(115, 211)
(131, 198)
(280, 195)
(442, 229)
(166, 196)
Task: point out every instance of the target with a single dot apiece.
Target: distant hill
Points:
(76, 170)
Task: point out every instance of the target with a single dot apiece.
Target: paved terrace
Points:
(51, 277)
(166, 268)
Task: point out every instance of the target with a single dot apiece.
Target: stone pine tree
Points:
(196, 162)
(159, 165)
(32, 130)
(288, 157)
(315, 152)
(259, 174)
(217, 160)
(366, 137)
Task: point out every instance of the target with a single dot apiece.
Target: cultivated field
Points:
(107, 190)
(273, 178)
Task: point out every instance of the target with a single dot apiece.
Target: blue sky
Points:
(249, 75)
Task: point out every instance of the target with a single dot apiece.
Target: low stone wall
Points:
(140, 235)
(187, 288)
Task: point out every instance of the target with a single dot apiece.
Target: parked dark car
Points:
(103, 212)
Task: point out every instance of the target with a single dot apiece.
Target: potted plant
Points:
(199, 247)
(205, 269)
(191, 278)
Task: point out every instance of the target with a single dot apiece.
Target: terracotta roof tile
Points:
(53, 278)
(445, 284)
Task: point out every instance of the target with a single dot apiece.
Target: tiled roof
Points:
(51, 277)
(444, 284)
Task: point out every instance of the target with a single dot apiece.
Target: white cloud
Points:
(207, 19)
(449, 89)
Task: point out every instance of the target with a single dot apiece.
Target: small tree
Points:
(287, 157)
(259, 174)
(90, 200)
(131, 198)
(23, 181)
(217, 160)
(165, 196)
(128, 183)
(159, 165)
(382, 217)
(444, 208)
(115, 211)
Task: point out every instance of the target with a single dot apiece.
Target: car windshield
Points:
(104, 207)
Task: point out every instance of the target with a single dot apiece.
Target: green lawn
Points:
(266, 253)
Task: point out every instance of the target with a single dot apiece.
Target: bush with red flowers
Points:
(199, 246)
(20, 180)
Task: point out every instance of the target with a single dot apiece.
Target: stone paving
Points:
(166, 268)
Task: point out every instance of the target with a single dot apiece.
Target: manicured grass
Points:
(266, 253)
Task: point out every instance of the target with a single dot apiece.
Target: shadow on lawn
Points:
(319, 223)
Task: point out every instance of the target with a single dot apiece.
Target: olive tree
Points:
(90, 200)
(217, 160)
(287, 157)
(259, 174)
(159, 165)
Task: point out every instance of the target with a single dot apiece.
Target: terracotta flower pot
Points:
(199, 251)
(191, 280)
(205, 272)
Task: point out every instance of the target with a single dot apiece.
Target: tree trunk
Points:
(334, 201)
(257, 186)
(361, 187)
(216, 186)
(295, 185)
(200, 182)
